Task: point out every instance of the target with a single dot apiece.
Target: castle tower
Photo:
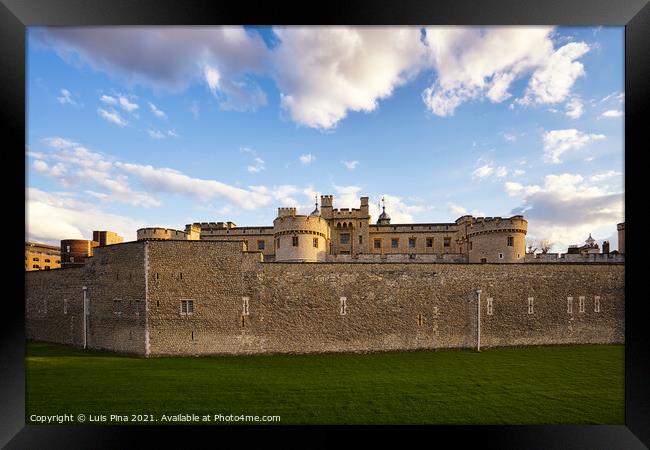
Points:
(299, 238)
(621, 237)
(384, 219)
(494, 239)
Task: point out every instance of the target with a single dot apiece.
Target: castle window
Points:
(412, 256)
(245, 306)
(411, 242)
(35, 266)
(47, 260)
(187, 307)
(530, 305)
(35, 259)
(483, 260)
(345, 239)
(72, 259)
(294, 241)
(360, 239)
(569, 305)
(447, 242)
(420, 319)
(511, 241)
(65, 306)
(394, 242)
(500, 255)
(58, 262)
(47, 267)
(277, 243)
(581, 304)
(260, 245)
(596, 304)
(345, 225)
(377, 243)
(470, 246)
(67, 248)
(429, 242)
(489, 306)
(315, 242)
(117, 307)
(344, 306)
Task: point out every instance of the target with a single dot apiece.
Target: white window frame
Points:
(531, 305)
(597, 303)
(490, 306)
(186, 302)
(500, 255)
(117, 306)
(581, 303)
(343, 306)
(65, 306)
(569, 305)
(245, 311)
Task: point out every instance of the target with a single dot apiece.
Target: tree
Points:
(545, 245)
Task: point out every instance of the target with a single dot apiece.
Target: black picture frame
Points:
(16, 15)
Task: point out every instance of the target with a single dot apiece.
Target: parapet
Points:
(285, 212)
(161, 234)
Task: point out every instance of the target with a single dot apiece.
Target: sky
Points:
(131, 127)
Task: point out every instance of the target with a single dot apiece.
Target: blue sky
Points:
(146, 126)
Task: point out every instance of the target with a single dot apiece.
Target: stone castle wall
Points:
(242, 305)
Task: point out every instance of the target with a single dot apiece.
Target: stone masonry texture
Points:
(242, 305)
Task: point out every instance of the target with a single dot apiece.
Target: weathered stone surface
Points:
(296, 307)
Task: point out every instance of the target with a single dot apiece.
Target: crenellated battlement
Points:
(284, 212)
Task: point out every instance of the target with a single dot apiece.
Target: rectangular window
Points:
(344, 306)
(35, 259)
(315, 242)
(569, 305)
(117, 307)
(511, 241)
(277, 243)
(530, 305)
(245, 306)
(360, 239)
(581, 303)
(47, 260)
(447, 242)
(47, 267)
(377, 244)
(489, 306)
(470, 246)
(500, 255)
(65, 306)
(67, 248)
(187, 307)
(261, 245)
(72, 259)
(35, 266)
(394, 243)
(345, 239)
(411, 242)
(596, 304)
(294, 241)
(429, 242)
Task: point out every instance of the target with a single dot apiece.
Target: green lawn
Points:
(577, 385)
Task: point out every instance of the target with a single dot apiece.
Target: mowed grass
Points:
(535, 385)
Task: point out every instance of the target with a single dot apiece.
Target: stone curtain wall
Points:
(296, 307)
(46, 318)
(242, 305)
(116, 273)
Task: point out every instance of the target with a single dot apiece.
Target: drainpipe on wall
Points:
(85, 317)
(478, 320)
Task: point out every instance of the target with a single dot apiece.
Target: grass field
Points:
(577, 385)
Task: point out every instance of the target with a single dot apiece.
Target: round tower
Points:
(300, 238)
(495, 239)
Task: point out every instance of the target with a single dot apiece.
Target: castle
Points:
(328, 235)
(218, 289)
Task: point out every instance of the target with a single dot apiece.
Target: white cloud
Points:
(257, 166)
(574, 108)
(475, 63)
(112, 116)
(612, 113)
(558, 142)
(56, 171)
(108, 100)
(461, 211)
(324, 72)
(489, 169)
(518, 172)
(307, 158)
(212, 78)
(66, 98)
(509, 137)
(195, 109)
(350, 165)
(172, 133)
(600, 176)
(127, 105)
(156, 134)
(566, 209)
(617, 96)
(552, 82)
(51, 217)
(158, 113)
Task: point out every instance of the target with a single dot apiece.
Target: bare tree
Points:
(545, 245)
